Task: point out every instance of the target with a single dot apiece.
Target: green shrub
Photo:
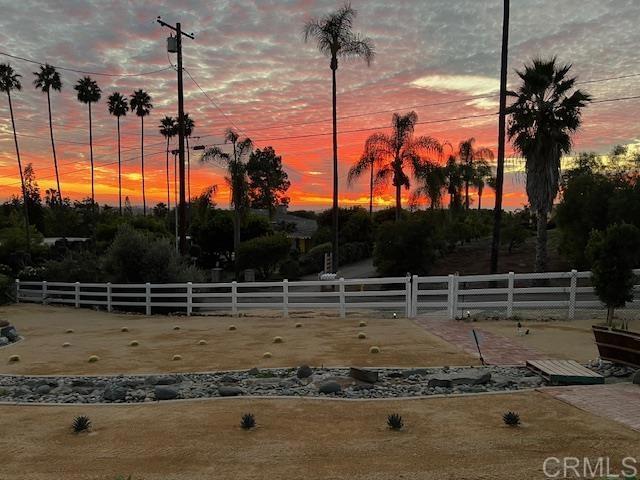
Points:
(74, 266)
(264, 254)
(313, 260)
(290, 269)
(7, 289)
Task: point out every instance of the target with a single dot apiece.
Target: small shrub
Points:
(202, 342)
(177, 358)
(248, 421)
(511, 418)
(81, 424)
(266, 355)
(277, 339)
(362, 335)
(134, 343)
(395, 421)
(93, 359)
(374, 349)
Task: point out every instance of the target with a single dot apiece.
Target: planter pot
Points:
(618, 346)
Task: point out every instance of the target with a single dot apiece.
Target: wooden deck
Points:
(565, 372)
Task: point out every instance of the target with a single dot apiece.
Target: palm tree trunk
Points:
(119, 169)
(53, 147)
(541, 242)
(466, 194)
(24, 190)
(144, 197)
(398, 202)
(479, 200)
(93, 191)
(236, 241)
(168, 181)
(371, 192)
(334, 246)
(610, 311)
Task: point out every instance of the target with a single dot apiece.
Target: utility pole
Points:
(497, 210)
(177, 48)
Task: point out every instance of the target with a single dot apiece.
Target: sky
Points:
(261, 78)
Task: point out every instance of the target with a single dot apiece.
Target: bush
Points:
(313, 260)
(613, 254)
(290, 269)
(264, 254)
(75, 266)
(7, 289)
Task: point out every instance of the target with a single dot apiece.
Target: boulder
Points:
(10, 333)
(304, 371)
(415, 371)
(254, 371)
(168, 380)
(227, 391)
(4, 323)
(636, 378)
(482, 379)
(329, 387)
(81, 382)
(114, 393)
(439, 383)
(4, 341)
(229, 379)
(363, 375)
(43, 390)
(165, 393)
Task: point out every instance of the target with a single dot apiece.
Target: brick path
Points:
(496, 349)
(619, 402)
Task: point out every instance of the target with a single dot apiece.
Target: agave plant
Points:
(511, 418)
(248, 421)
(81, 424)
(395, 421)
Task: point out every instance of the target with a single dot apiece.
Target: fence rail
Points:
(453, 294)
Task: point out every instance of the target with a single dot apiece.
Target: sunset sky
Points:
(251, 60)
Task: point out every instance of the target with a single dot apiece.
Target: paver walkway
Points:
(496, 349)
(619, 401)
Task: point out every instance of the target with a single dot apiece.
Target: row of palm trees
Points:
(47, 79)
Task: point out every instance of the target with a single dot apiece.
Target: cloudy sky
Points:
(250, 59)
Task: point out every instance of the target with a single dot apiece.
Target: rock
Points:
(165, 393)
(329, 387)
(226, 391)
(43, 389)
(168, 380)
(415, 371)
(636, 378)
(395, 375)
(254, 371)
(304, 371)
(480, 380)
(363, 375)
(439, 383)
(4, 323)
(4, 341)
(10, 333)
(113, 393)
(229, 379)
(80, 382)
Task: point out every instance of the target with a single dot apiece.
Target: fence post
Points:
(450, 300)
(285, 297)
(343, 306)
(147, 297)
(510, 294)
(414, 297)
(234, 297)
(189, 298)
(17, 290)
(572, 294)
(77, 294)
(109, 308)
(44, 291)
(407, 296)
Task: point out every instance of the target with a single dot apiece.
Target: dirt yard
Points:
(462, 438)
(321, 340)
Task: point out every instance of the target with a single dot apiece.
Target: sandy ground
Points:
(567, 340)
(461, 438)
(322, 340)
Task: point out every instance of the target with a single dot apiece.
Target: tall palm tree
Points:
(118, 107)
(481, 177)
(140, 102)
(235, 163)
(400, 150)
(89, 92)
(189, 127)
(433, 179)
(454, 181)
(48, 79)
(543, 118)
(335, 39)
(468, 155)
(369, 160)
(10, 81)
(168, 129)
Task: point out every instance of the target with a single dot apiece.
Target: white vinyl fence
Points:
(410, 296)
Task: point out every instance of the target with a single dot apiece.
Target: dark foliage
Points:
(248, 421)
(395, 422)
(511, 418)
(81, 424)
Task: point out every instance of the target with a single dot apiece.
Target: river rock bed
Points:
(297, 382)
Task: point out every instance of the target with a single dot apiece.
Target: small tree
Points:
(613, 254)
(264, 253)
(268, 182)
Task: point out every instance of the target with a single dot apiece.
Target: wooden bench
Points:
(565, 372)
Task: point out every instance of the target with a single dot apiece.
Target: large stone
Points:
(4, 323)
(168, 380)
(415, 371)
(114, 393)
(81, 382)
(43, 390)
(165, 393)
(363, 375)
(10, 333)
(254, 371)
(329, 387)
(636, 378)
(229, 379)
(482, 379)
(4, 341)
(304, 371)
(229, 391)
(439, 383)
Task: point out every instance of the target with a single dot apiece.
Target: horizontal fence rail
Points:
(455, 295)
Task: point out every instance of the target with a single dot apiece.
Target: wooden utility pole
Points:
(497, 211)
(182, 217)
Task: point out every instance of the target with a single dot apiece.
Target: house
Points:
(298, 229)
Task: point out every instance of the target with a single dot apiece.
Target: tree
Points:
(140, 102)
(236, 179)
(469, 156)
(369, 160)
(543, 119)
(455, 181)
(482, 177)
(48, 79)
(432, 179)
(268, 182)
(189, 127)
(89, 92)
(118, 107)
(168, 129)
(10, 81)
(613, 254)
(264, 254)
(335, 39)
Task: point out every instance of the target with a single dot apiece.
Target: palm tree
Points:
(189, 127)
(454, 181)
(335, 39)
(46, 80)
(9, 81)
(236, 179)
(468, 155)
(168, 129)
(543, 119)
(140, 102)
(433, 180)
(400, 150)
(481, 177)
(89, 92)
(368, 161)
(118, 107)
